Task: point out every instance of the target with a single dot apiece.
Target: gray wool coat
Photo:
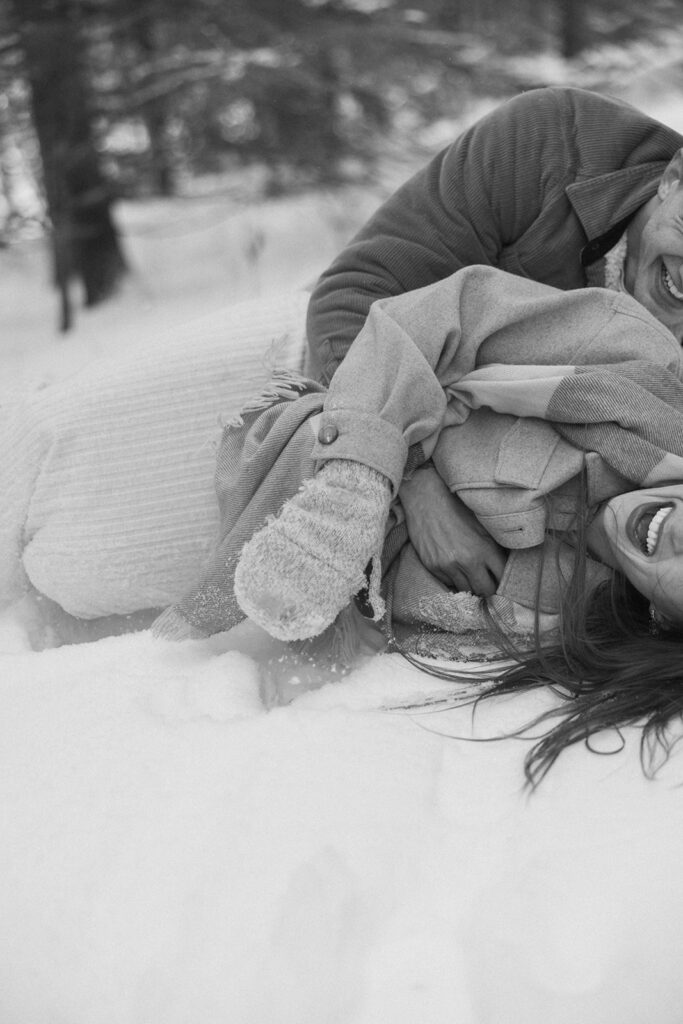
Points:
(389, 406)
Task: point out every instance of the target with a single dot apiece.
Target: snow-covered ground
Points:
(173, 849)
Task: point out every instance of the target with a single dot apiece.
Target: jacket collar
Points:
(606, 204)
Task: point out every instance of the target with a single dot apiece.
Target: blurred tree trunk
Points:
(330, 149)
(85, 241)
(573, 29)
(449, 15)
(157, 114)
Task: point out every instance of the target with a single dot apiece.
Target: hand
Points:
(448, 538)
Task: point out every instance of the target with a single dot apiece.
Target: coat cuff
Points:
(364, 438)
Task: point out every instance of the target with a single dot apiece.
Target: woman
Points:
(556, 418)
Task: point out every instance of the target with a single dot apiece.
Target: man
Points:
(544, 187)
(559, 185)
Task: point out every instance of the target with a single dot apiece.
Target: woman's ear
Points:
(672, 176)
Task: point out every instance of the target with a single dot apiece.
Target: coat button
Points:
(328, 434)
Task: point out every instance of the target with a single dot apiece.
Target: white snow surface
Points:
(174, 848)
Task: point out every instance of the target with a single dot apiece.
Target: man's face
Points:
(654, 268)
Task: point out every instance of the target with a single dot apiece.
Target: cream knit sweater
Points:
(108, 502)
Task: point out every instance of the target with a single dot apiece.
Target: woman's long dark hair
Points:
(608, 666)
(608, 670)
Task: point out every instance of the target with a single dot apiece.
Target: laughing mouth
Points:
(670, 286)
(648, 525)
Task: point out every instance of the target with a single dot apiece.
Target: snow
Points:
(172, 851)
(174, 847)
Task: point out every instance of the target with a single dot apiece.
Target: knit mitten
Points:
(297, 573)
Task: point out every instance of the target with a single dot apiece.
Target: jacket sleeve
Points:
(471, 201)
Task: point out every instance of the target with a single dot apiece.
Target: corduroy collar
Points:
(606, 204)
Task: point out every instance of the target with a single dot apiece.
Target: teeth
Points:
(671, 287)
(655, 526)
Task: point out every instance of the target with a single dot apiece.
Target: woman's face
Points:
(642, 533)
